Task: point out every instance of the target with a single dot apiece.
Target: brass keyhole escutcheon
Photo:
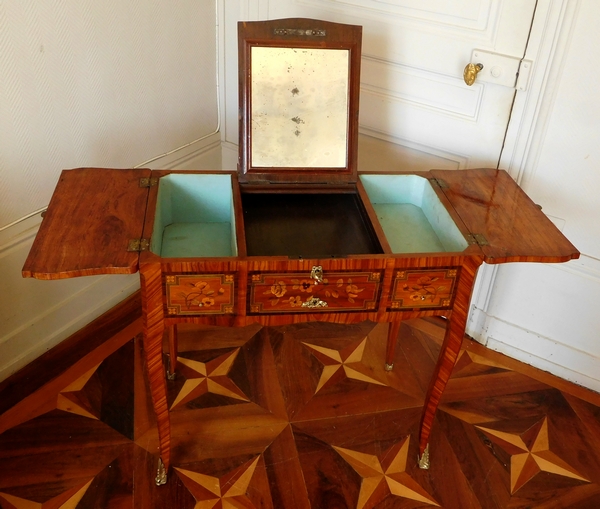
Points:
(471, 72)
(317, 274)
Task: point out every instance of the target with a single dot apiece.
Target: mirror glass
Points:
(299, 107)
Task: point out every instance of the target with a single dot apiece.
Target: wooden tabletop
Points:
(491, 204)
(95, 212)
(91, 218)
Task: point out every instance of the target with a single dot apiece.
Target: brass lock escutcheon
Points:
(317, 274)
(471, 72)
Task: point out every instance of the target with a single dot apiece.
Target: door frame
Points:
(551, 30)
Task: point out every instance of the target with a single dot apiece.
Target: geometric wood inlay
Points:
(530, 454)
(385, 476)
(340, 364)
(210, 377)
(66, 500)
(74, 399)
(230, 490)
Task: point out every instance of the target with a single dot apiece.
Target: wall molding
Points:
(416, 79)
(586, 266)
(205, 154)
(378, 10)
(559, 359)
(457, 161)
(549, 41)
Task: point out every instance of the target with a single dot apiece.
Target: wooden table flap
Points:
(492, 205)
(92, 216)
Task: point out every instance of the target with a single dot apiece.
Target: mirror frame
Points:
(307, 34)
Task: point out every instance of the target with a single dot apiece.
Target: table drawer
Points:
(300, 293)
(423, 288)
(199, 294)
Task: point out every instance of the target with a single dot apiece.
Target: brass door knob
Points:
(470, 73)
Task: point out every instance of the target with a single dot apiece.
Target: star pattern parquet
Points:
(303, 416)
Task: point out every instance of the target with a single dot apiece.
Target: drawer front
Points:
(199, 294)
(299, 293)
(423, 288)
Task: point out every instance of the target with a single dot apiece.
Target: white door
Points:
(416, 112)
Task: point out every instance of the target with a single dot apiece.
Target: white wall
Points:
(548, 315)
(88, 83)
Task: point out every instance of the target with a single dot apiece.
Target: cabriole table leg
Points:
(153, 324)
(455, 332)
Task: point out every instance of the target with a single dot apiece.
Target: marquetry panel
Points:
(297, 292)
(423, 288)
(195, 294)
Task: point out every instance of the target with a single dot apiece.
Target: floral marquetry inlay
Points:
(199, 294)
(353, 291)
(423, 288)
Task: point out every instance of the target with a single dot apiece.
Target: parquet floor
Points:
(301, 416)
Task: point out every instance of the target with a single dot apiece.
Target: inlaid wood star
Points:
(65, 500)
(385, 476)
(530, 454)
(210, 377)
(81, 397)
(229, 491)
(340, 364)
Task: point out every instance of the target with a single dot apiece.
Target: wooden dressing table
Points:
(296, 234)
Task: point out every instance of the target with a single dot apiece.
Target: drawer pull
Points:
(314, 302)
(317, 274)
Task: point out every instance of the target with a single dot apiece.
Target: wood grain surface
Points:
(92, 216)
(492, 204)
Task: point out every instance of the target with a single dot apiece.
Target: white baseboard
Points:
(46, 330)
(204, 155)
(543, 353)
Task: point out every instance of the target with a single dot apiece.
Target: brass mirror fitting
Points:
(470, 73)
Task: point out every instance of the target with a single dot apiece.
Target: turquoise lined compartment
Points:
(413, 218)
(194, 216)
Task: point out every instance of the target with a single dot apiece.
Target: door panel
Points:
(413, 98)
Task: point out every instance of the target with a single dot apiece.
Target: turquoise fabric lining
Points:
(411, 215)
(194, 216)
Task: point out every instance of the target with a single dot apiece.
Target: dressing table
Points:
(296, 234)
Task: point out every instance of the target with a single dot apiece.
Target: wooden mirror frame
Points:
(306, 34)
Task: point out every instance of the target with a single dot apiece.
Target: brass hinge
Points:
(148, 181)
(440, 182)
(477, 238)
(138, 245)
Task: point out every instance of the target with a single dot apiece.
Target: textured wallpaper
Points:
(89, 83)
